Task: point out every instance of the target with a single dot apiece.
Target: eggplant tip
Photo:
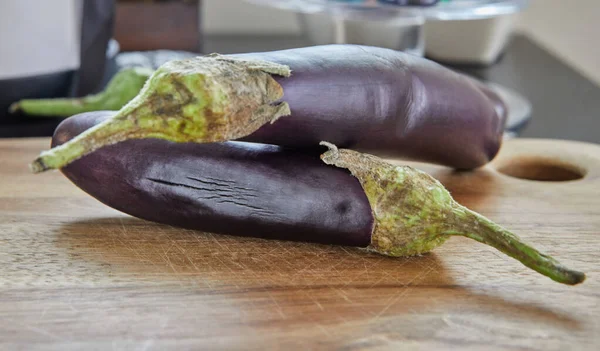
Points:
(330, 156)
(37, 166)
(329, 145)
(576, 278)
(14, 107)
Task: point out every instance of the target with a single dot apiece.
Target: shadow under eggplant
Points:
(357, 282)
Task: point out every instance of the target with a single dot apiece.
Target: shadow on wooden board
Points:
(301, 278)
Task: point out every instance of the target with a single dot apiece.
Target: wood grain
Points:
(75, 274)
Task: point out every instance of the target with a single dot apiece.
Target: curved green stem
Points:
(414, 213)
(60, 107)
(123, 87)
(473, 225)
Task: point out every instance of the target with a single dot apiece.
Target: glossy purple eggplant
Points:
(367, 99)
(386, 103)
(233, 188)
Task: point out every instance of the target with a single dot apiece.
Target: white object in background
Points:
(404, 33)
(39, 37)
(478, 41)
(235, 17)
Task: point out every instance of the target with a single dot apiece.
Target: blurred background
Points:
(541, 55)
(568, 29)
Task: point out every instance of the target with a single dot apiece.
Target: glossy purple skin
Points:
(234, 188)
(384, 102)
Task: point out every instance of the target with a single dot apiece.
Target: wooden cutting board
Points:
(75, 274)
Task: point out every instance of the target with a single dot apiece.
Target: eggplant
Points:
(235, 187)
(342, 197)
(369, 99)
(386, 103)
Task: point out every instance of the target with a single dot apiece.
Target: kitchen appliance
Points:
(384, 24)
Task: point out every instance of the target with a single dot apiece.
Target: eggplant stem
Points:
(14, 107)
(475, 226)
(60, 107)
(123, 87)
(202, 100)
(109, 132)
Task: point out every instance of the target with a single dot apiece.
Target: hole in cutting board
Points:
(541, 169)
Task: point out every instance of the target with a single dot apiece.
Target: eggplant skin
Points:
(235, 188)
(384, 102)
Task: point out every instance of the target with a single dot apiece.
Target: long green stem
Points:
(123, 87)
(61, 107)
(473, 225)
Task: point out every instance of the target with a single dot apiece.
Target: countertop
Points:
(77, 275)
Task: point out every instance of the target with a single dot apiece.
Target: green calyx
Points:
(205, 99)
(414, 213)
(123, 87)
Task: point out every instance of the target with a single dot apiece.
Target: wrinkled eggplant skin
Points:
(232, 188)
(384, 102)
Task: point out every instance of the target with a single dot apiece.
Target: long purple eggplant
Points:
(384, 102)
(369, 99)
(236, 188)
(267, 191)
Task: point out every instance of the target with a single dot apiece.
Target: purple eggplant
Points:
(369, 99)
(235, 187)
(386, 103)
(342, 197)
